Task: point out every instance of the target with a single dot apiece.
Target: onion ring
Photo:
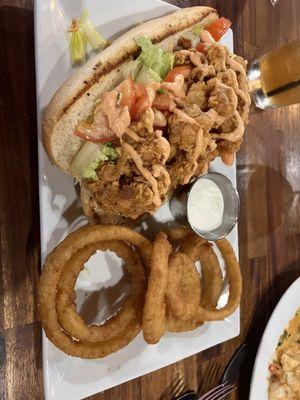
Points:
(68, 317)
(235, 286)
(192, 246)
(211, 278)
(201, 250)
(178, 233)
(154, 314)
(211, 282)
(49, 280)
(96, 233)
(183, 290)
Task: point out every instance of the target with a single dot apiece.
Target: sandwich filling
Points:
(163, 124)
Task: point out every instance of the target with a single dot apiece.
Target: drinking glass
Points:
(274, 79)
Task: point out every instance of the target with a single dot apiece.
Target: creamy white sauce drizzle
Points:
(178, 87)
(133, 135)
(194, 156)
(185, 117)
(144, 172)
(237, 132)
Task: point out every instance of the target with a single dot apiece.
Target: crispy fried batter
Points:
(217, 54)
(187, 137)
(222, 98)
(183, 290)
(196, 94)
(181, 58)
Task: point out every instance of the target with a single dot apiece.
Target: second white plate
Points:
(283, 313)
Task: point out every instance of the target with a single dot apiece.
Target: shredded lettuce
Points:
(131, 68)
(154, 57)
(147, 75)
(106, 153)
(90, 156)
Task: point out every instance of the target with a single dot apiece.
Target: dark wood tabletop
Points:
(268, 169)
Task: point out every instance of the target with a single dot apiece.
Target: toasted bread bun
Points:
(74, 101)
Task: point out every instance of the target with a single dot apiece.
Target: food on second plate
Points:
(285, 368)
(148, 114)
(151, 305)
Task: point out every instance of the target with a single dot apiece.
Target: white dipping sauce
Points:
(205, 206)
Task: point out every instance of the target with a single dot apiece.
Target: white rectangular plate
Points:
(60, 212)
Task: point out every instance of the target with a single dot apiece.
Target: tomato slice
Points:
(140, 106)
(162, 102)
(142, 101)
(184, 70)
(127, 90)
(218, 28)
(201, 47)
(98, 131)
(140, 90)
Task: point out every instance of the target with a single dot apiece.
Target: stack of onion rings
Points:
(176, 298)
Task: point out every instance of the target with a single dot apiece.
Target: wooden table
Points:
(268, 183)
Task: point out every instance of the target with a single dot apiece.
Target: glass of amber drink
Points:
(274, 79)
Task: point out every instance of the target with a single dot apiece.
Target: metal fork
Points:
(219, 392)
(177, 391)
(227, 382)
(177, 387)
(213, 370)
